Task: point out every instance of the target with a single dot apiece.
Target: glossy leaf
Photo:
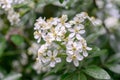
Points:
(96, 72)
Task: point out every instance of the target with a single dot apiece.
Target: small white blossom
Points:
(52, 58)
(75, 57)
(48, 38)
(79, 18)
(40, 22)
(84, 47)
(63, 22)
(73, 47)
(38, 35)
(33, 49)
(40, 67)
(53, 21)
(42, 54)
(77, 31)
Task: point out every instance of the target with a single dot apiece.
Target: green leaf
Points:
(114, 42)
(13, 76)
(17, 39)
(114, 58)
(2, 45)
(114, 68)
(76, 75)
(61, 1)
(82, 76)
(96, 72)
(66, 76)
(2, 73)
(92, 37)
(57, 68)
(97, 53)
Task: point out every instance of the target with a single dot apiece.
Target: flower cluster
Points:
(59, 36)
(12, 16)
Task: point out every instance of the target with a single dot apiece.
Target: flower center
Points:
(74, 57)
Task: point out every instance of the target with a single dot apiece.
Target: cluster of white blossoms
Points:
(58, 36)
(7, 5)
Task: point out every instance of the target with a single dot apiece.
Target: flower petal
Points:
(49, 53)
(85, 54)
(67, 25)
(55, 52)
(38, 40)
(76, 63)
(52, 64)
(88, 48)
(68, 59)
(79, 57)
(78, 36)
(58, 60)
(82, 31)
(71, 30)
(71, 35)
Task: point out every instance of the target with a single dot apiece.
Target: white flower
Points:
(77, 31)
(64, 18)
(52, 58)
(75, 57)
(73, 47)
(39, 23)
(53, 21)
(40, 67)
(79, 18)
(33, 49)
(60, 30)
(84, 47)
(57, 33)
(38, 35)
(42, 54)
(42, 24)
(63, 22)
(48, 38)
